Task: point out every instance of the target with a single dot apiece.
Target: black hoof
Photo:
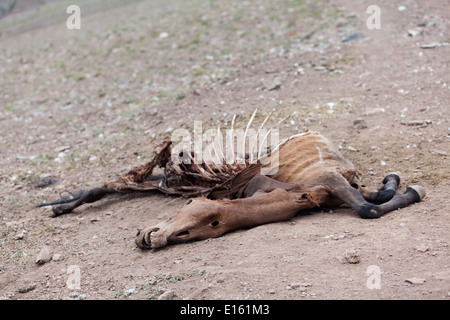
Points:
(60, 210)
(369, 211)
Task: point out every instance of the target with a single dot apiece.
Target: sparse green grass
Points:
(19, 254)
(41, 160)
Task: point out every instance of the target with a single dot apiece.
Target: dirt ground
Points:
(79, 107)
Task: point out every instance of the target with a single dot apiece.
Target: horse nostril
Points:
(215, 224)
(182, 233)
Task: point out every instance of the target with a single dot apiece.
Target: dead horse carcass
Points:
(311, 173)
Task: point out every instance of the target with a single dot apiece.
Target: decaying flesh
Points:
(311, 173)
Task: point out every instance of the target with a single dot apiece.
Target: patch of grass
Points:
(19, 254)
(180, 96)
(162, 94)
(47, 227)
(198, 72)
(9, 107)
(175, 279)
(41, 160)
(130, 99)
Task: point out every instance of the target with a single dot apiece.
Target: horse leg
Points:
(352, 197)
(86, 197)
(386, 193)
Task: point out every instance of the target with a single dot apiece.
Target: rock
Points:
(422, 248)
(351, 37)
(351, 256)
(27, 288)
(19, 236)
(359, 124)
(45, 255)
(413, 33)
(57, 257)
(416, 123)
(62, 148)
(168, 295)
(299, 285)
(129, 291)
(274, 84)
(415, 280)
(433, 45)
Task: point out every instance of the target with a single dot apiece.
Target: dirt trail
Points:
(80, 107)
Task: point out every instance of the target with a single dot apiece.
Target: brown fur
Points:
(311, 172)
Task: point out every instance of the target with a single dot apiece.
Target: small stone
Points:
(45, 255)
(57, 257)
(413, 33)
(168, 295)
(129, 291)
(433, 45)
(27, 288)
(351, 37)
(352, 256)
(415, 280)
(422, 248)
(359, 124)
(62, 148)
(274, 84)
(300, 285)
(19, 236)
(413, 123)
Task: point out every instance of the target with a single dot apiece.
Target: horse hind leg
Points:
(386, 193)
(90, 196)
(352, 197)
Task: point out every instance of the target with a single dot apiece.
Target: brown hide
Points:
(311, 172)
